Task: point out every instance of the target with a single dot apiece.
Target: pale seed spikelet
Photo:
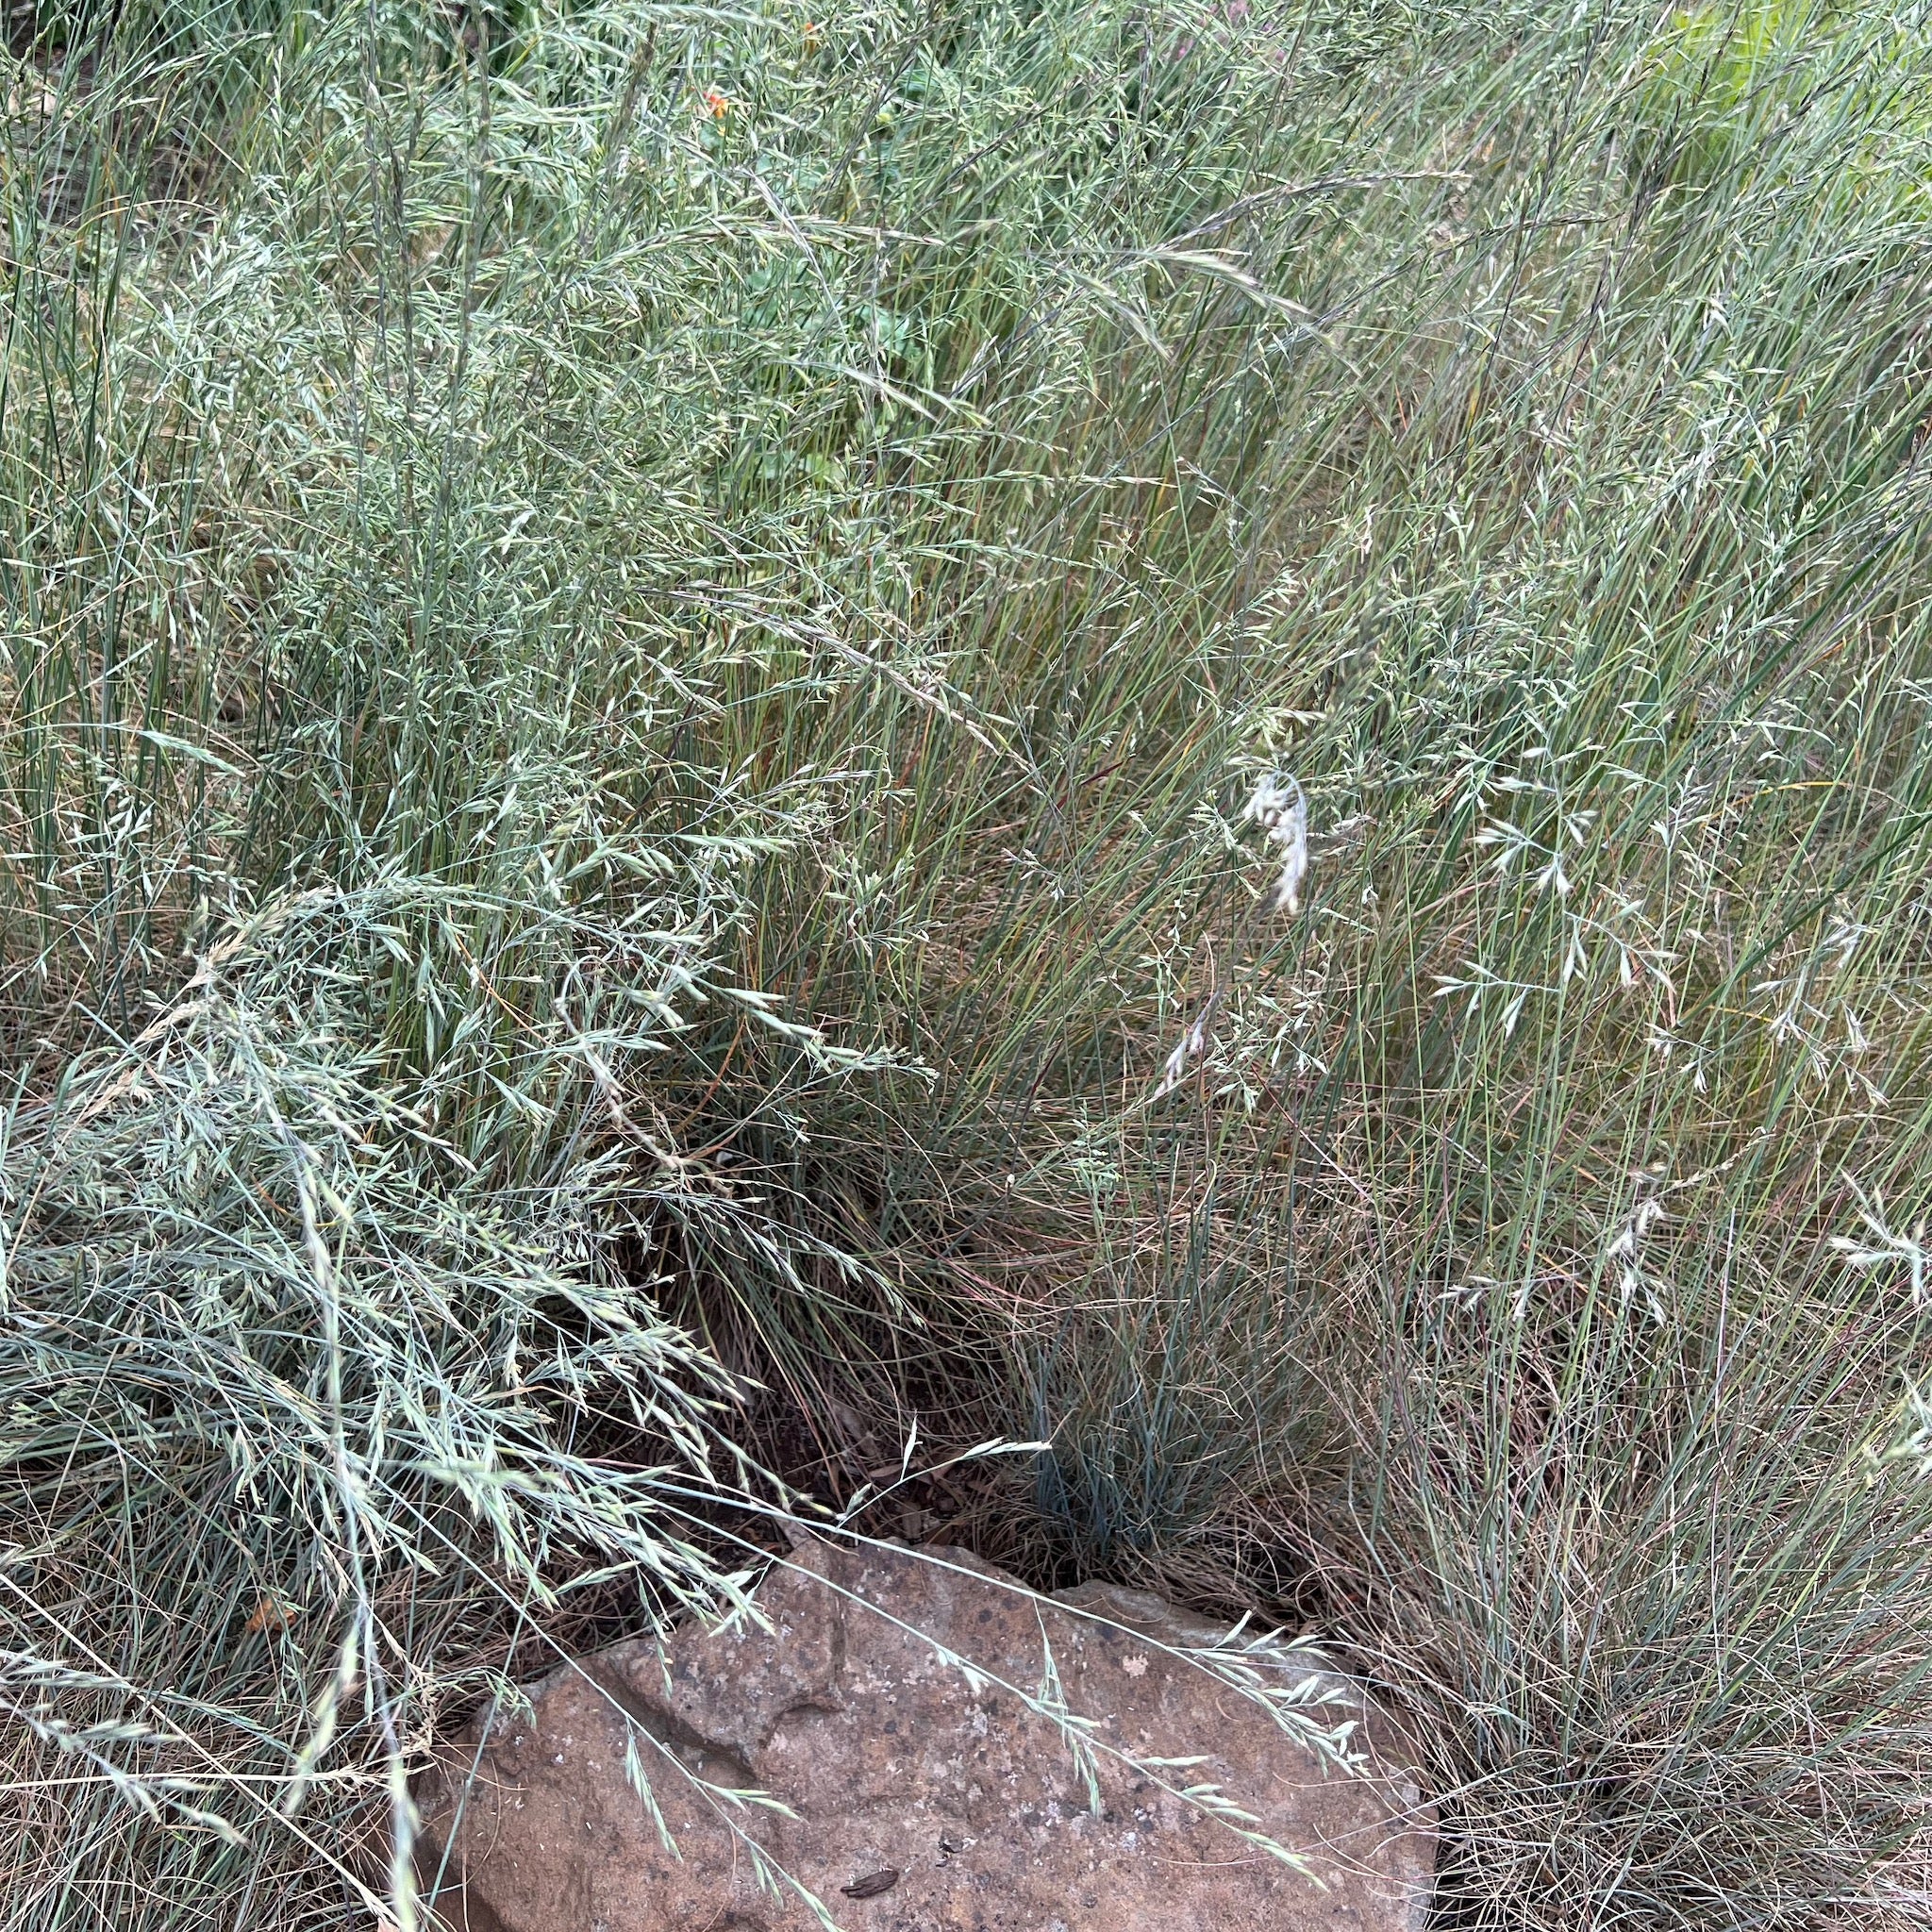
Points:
(1192, 1045)
(1280, 807)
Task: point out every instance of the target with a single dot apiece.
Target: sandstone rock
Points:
(923, 1799)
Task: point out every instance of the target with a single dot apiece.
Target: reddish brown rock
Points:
(921, 1799)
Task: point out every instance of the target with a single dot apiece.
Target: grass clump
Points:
(638, 645)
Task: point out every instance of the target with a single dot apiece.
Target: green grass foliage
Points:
(635, 637)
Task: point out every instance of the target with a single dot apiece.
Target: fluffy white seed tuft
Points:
(1280, 807)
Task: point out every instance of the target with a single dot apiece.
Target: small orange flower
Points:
(717, 105)
(814, 33)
